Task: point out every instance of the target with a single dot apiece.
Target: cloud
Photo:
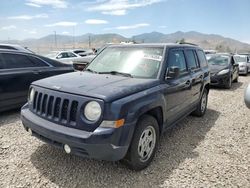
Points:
(65, 33)
(121, 6)
(162, 26)
(32, 31)
(115, 12)
(63, 24)
(53, 3)
(9, 27)
(135, 26)
(95, 21)
(28, 17)
(33, 5)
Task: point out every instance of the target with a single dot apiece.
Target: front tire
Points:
(229, 83)
(144, 143)
(202, 106)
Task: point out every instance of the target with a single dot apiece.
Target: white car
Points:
(244, 65)
(247, 96)
(67, 57)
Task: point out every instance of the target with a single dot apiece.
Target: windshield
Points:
(218, 60)
(240, 58)
(141, 62)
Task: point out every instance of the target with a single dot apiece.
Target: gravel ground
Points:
(213, 151)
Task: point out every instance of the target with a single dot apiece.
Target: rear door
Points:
(178, 90)
(196, 73)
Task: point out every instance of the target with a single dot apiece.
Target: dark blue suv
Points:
(118, 107)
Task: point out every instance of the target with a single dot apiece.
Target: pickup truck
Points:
(120, 105)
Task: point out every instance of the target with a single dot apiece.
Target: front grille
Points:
(56, 108)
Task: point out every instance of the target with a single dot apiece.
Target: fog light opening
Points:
(67, 149)
(30, 131)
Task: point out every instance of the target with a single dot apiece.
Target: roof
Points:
(154, 45)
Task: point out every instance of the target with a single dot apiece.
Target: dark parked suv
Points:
(121, 104)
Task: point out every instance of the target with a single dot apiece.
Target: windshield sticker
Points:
(153, 57)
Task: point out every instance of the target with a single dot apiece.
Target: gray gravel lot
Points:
(213, 151)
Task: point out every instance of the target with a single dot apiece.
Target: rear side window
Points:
(12, 61)
(177, 59)
(202, 58)
(37, 62)
(191, 59)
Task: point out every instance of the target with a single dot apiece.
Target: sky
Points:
(21, 19)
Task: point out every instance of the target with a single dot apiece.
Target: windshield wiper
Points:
(90, 70)
(117, 73)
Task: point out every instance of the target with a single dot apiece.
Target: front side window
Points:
(177, 59)
(140, 62)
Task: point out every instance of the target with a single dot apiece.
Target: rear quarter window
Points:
(202, 58)
(191, 59)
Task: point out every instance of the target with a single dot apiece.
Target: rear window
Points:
(202, 58)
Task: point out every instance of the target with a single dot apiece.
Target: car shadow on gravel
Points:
(9, 117)
(176, 146)
(235, 86)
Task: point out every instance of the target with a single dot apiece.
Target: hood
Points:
(217, 68)
(242, 63)
(106, 87)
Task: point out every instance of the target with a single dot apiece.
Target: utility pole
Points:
(89, 42)
(55, 40)
(73, 37)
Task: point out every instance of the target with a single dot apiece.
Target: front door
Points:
(178, 90)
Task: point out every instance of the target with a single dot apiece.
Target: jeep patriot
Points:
(119, 106)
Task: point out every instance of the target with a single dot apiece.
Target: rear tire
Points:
(202, 106)
(144, 143)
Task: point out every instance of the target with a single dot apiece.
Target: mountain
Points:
(206, 41)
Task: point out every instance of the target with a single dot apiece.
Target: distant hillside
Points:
(206, 41)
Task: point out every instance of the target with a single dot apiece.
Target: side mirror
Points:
(173, 72)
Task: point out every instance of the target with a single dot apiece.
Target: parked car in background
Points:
(223, 70)
(248, 59)
(15, 47)
(78, 51)
(119, 106)
(80, 65)
(247, 96)
(66, 57)
(243, 62)
(18, 70)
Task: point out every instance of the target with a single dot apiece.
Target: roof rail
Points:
(187, 43)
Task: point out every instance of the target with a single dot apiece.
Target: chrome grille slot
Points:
(65, 106)
(44, 103)
(57, 107)
(50, 105)
(73, 111)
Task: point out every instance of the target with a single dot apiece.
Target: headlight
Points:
(223, 72)
(92, 111)
(31, 95)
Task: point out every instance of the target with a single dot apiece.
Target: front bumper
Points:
(104, 143)
(243, 70)
(219, 80)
